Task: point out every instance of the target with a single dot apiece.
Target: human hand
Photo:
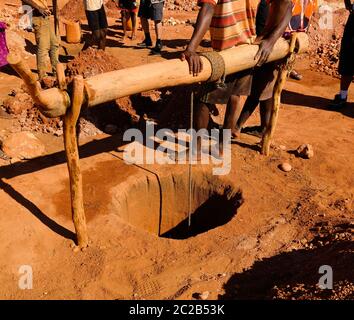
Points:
(194, 61)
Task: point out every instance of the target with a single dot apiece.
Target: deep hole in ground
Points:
(159, 203)
(214, 212)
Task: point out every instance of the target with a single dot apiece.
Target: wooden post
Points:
(278, 88)
(73, 161)
(61, 77)
(56, 18)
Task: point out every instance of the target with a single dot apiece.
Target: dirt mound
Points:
(92, 62)
(181, 5)
(325, 44)
(74, 10)
(21, 106)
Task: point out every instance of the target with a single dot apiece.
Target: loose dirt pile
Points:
(21, 106)
(74, 10)
(181, 5)
(92, 62)
(325, 44)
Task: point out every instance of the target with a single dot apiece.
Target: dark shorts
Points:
(238, 84)
(151, 11)
(346, 58)
(127, 5)
(263, 81)
(97, 19)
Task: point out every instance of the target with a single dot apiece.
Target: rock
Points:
(305, 151)
(23, 145)
(286, 167)
(204, 295)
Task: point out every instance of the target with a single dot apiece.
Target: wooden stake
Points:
(279, 85)
(61, 76)
(73, 162)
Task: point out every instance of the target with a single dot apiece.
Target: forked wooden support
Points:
(279, 85)
(73, 161)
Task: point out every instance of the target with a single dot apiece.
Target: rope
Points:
(217, 66)
(190, 163)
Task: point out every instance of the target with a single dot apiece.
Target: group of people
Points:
(231, 23)
(130, 9)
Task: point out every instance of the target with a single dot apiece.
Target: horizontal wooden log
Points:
(121, 83)
(125, 82)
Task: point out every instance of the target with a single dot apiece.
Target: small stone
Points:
(305, 151)
(282, 147)
(204, 295)
(76, 249)
(286, 167)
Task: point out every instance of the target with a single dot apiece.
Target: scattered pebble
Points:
(286, 167)
(204, 295)
(305, 151)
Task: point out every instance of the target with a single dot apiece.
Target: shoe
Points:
(338, 103)
(145, 44)
(157, 49)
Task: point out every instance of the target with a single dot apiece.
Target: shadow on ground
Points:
(299, 99)
(291, 270)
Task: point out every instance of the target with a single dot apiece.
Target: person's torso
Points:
(93, 5)
(233, 23)
(302, 13)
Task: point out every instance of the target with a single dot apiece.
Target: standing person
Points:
(129, 9)
(47, 41)
(3, 63)
(3, 46)
(231, 23)
(346, 60)
(265, 76)
(97, 21)
(153, 10)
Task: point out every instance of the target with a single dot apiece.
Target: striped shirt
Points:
(233, 23)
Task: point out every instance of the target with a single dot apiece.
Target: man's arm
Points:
(203, 23)
(42, 9)
(278, 19)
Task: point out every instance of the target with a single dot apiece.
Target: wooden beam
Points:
(278, 88)
(73, 162)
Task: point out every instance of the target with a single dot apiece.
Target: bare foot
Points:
(133, 37)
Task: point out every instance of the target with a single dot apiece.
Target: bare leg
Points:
(249, 107)
(124, 22)
(266, 107)
(102, 41)
(158, 29)
(147, 41)
(145, 25)
(133, 17)
(232, 111)
(201, 121)
(345, 82)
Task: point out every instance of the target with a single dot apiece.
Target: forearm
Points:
(203, 23)
(34, 5)
(278, 19)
